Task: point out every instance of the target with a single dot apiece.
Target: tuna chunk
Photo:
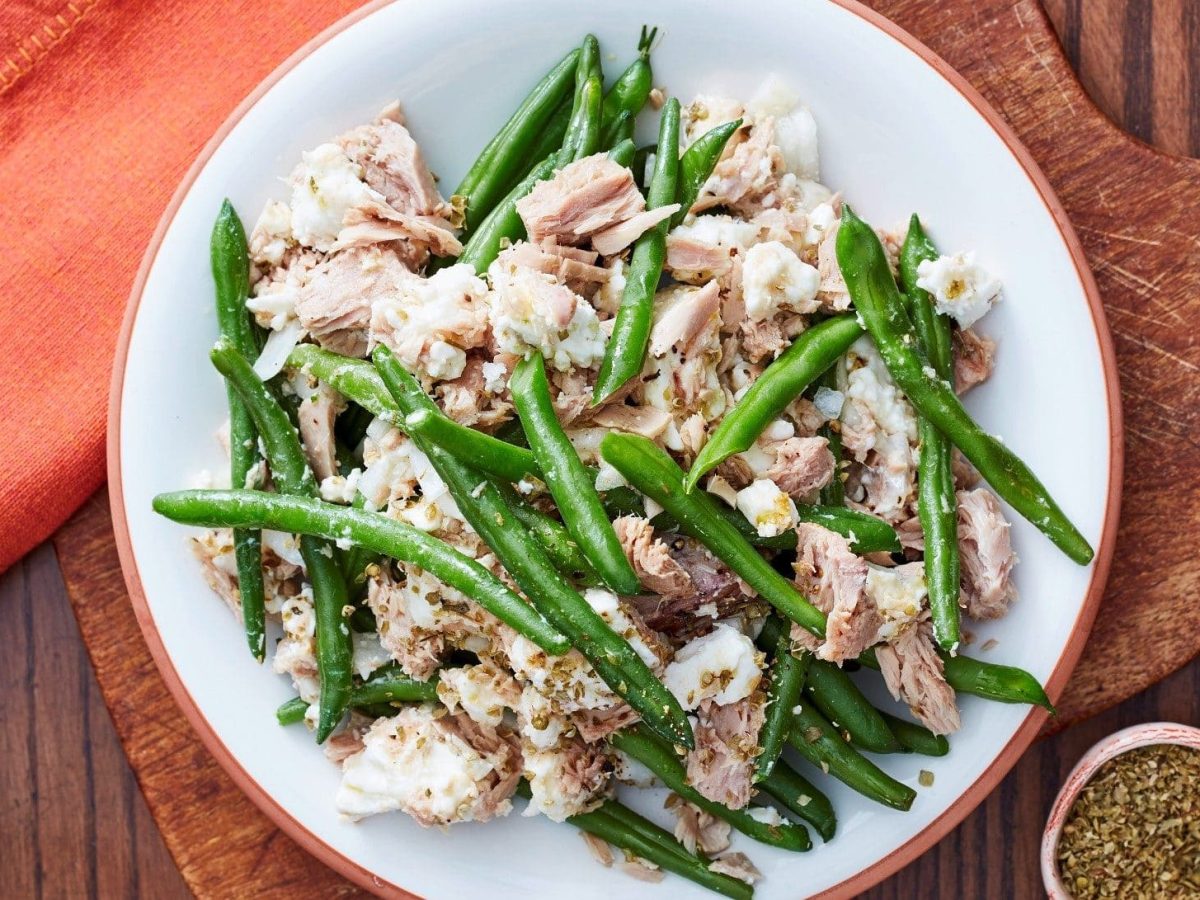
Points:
(721, 767)
(833, 293)
(763, 340)
(618, 237)
(685, 321)
(597, 724)
(835, 580)
(334, 303)
(802, 465)
(572, 266)
(974, 357)
(318, 411)
(430, 323)
(717, 594)
(468, 400)
(985, 554)
(744, 179)
(697, 829)
(689, 256)
(913, 672)
(568, 779)
(393, 165)
(412, 238)
(585, 197)
(405, 627)
(214, 550)
(651, 559)
(644, 420)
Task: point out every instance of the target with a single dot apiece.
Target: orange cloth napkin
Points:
(103, 106)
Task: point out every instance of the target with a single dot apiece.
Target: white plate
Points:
(898, 133)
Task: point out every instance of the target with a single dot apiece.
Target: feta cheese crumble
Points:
(768, 508)
(774, 279)
(723, 666)
(961, 288)
(325, 186)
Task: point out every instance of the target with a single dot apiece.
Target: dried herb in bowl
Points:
(1134, 831)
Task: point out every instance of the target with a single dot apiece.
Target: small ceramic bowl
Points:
(1111, 746)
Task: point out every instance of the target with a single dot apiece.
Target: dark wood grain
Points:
(1140, 61)
(73, 822)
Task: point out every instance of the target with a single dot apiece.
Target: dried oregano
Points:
(1134, 831)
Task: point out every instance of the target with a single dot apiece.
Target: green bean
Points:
(552, 138)
(865, 268)
(623, 828)
(506, 157)
(840, 700)
(1006, 684)
(482, 451)
(354, 379)
(481, 503)
(784, 686)
(291, 712)
(626, 348)
(230, 260)
(631, 90)
(552, 535)
(647, 829)
(694, 869)
(506, 460)
(660, 759)
(623, 501)
(801, 798)
(937, 505)
(867, 533)
(511, 432)
(810, 354)
(357, 380)
(582, 137)
(569, 481)
(916, 738)
(392, 689)
(697, 164)
(584, 125)
(292, 476)
(834, 493)
(654, 473)
(503, 223)
(823, 746)
(356, 560)
(587, 139)
(375, 531)
(623, 150)
(640, 160)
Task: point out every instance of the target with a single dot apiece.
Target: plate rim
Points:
(865, 878)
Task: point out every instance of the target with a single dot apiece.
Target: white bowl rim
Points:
(865, 878)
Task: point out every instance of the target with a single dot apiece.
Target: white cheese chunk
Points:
(408, 763)
(769, 509)
(325, 186)
(774, 279)
(723, 666)
(961, 287)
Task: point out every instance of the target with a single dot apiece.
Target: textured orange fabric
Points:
(103, 106)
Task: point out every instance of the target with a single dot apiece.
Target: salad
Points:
(607, 470)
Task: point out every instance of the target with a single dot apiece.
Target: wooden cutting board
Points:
(1137, 213)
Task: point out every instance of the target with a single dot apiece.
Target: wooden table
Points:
(73, 822)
